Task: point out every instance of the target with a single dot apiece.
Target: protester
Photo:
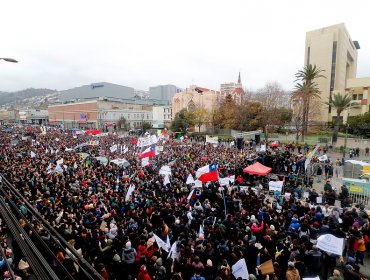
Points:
(128, 220)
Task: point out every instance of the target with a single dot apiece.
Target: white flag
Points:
(190, 180)
(129, 192)
(166, 180)
(173, 251)
(165, 170)
(168, 242)
(190, 194)
(145, 162)
(113, 148)
(33, 154)
(161, 244)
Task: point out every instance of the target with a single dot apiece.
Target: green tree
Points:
(146, 126)
(359, 125)
(200, 117)
(340, 103)
(307, 89)
(182, 121)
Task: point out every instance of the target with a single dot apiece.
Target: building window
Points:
(354, 97)
(128, 116)
(360, 96)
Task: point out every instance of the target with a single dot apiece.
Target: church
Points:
(200, 97)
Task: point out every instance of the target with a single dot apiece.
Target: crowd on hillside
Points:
(212, 228)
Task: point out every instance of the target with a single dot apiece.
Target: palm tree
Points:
(340, 103)
(306, 89)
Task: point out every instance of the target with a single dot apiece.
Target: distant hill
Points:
(23, 97)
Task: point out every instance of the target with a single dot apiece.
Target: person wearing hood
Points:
(143, 274)
(128, 257)
(292, 273)
(160, 270)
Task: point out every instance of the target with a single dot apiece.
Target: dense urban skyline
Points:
(146, 43)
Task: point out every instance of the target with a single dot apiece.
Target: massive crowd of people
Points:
(86, 200)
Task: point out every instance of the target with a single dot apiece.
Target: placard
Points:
(319, 199)
(331, 244)
(276, 186)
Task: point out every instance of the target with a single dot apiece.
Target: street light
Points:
(9, 59)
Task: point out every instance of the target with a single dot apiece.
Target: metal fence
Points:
(361, 198)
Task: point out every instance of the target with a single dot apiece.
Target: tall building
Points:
(332, 50)
(163, 92)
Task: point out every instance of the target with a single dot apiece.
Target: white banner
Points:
(212, 139)
(101, 134)
(323, 158)
(309, 157)
(276, 186)
(239, 269)
(226, 181)
(147, 141)
(331, 244)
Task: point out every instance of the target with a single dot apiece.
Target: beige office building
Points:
(332, 49)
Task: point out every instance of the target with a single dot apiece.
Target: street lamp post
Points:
(9, 59)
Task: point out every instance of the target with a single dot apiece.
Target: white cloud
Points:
(64, 44)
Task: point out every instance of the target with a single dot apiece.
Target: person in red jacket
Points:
(143, 274)
(257, 229)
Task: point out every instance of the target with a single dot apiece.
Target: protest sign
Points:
(239, 269)
(267, 268)
(331, 244)
(276, 186)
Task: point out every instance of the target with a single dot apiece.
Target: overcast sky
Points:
(137, 43)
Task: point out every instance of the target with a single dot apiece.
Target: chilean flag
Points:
(149, 152)
(207, 173)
